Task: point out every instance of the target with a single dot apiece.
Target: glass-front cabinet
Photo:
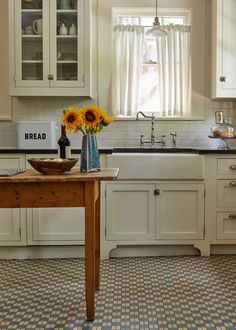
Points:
(51, 47)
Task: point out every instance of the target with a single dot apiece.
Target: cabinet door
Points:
(50, 226)
(180, 211)
(51, 47)
(12, 221)
(224, 48)
(130, 211)
(66, 37)
(31, 43)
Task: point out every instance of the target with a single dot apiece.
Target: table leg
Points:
(90, 248)
(97, 240)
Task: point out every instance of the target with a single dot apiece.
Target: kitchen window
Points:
(153, 76)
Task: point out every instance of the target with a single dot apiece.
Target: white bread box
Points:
(37, 135)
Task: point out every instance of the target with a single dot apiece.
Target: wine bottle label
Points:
(68, 152)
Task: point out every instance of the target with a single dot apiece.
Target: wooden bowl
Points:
(52, 166)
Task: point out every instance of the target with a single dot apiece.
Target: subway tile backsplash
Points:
(121, 133)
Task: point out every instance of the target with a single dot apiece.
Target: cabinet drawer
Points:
(227, 167)
(226, 225)
(226, 193)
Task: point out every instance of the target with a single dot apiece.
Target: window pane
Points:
(128, 20)
(147, 21)
(173, 20)
(149, 98)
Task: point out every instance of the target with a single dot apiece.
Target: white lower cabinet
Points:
(54, 226)
(12, 221)
(226, 199)
(154, 211)
(180, 211)
(130, 211)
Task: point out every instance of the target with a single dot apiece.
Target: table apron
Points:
(42, 194)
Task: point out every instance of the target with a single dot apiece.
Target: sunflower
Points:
(72, 119)
(107, 120)
(90, 117)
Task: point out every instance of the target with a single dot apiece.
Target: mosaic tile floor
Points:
(136, 293)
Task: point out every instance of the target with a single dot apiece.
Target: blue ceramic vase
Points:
(89, 154)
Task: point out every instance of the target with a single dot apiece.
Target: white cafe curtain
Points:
(173, 70)
(127, 60)
(174, 74)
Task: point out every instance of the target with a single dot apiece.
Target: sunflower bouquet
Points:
(89, 119)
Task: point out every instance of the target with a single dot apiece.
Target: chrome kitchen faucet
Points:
(152, 140)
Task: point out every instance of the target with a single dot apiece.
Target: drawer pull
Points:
(232, 183)
(233, 167)
(232, 216)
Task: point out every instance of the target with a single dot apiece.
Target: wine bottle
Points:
(64, 144)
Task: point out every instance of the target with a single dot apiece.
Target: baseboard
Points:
(46, 252)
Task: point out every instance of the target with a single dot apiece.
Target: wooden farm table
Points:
(72, 189)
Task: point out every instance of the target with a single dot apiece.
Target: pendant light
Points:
(156, 31)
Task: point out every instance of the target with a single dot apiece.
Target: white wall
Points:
(123, 133)
(5, 100)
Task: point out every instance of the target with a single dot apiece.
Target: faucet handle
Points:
(163, 138)
(174, 136)
(141, 140)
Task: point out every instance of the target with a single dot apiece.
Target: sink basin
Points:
(158, 165)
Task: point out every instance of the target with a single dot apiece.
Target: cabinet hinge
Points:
(105, 193)
(20, 232)
(204, 192)
(105, 231)
(204, 232)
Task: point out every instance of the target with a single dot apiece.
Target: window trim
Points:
(148, 12)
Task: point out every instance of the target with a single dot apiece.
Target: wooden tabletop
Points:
(105, 174)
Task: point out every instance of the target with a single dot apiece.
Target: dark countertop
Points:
(123, 150)
(173, 150)
(46, 151)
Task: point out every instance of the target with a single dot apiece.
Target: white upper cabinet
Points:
(223, 49)
(50, 47)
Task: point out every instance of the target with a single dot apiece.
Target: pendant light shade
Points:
(156, 31)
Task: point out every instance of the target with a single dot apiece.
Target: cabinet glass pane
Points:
(67, 39)
(32, 39)
(31, 4)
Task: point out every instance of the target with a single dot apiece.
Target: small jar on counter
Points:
(222, 130)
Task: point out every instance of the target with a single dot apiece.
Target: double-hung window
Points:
(152, 75)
